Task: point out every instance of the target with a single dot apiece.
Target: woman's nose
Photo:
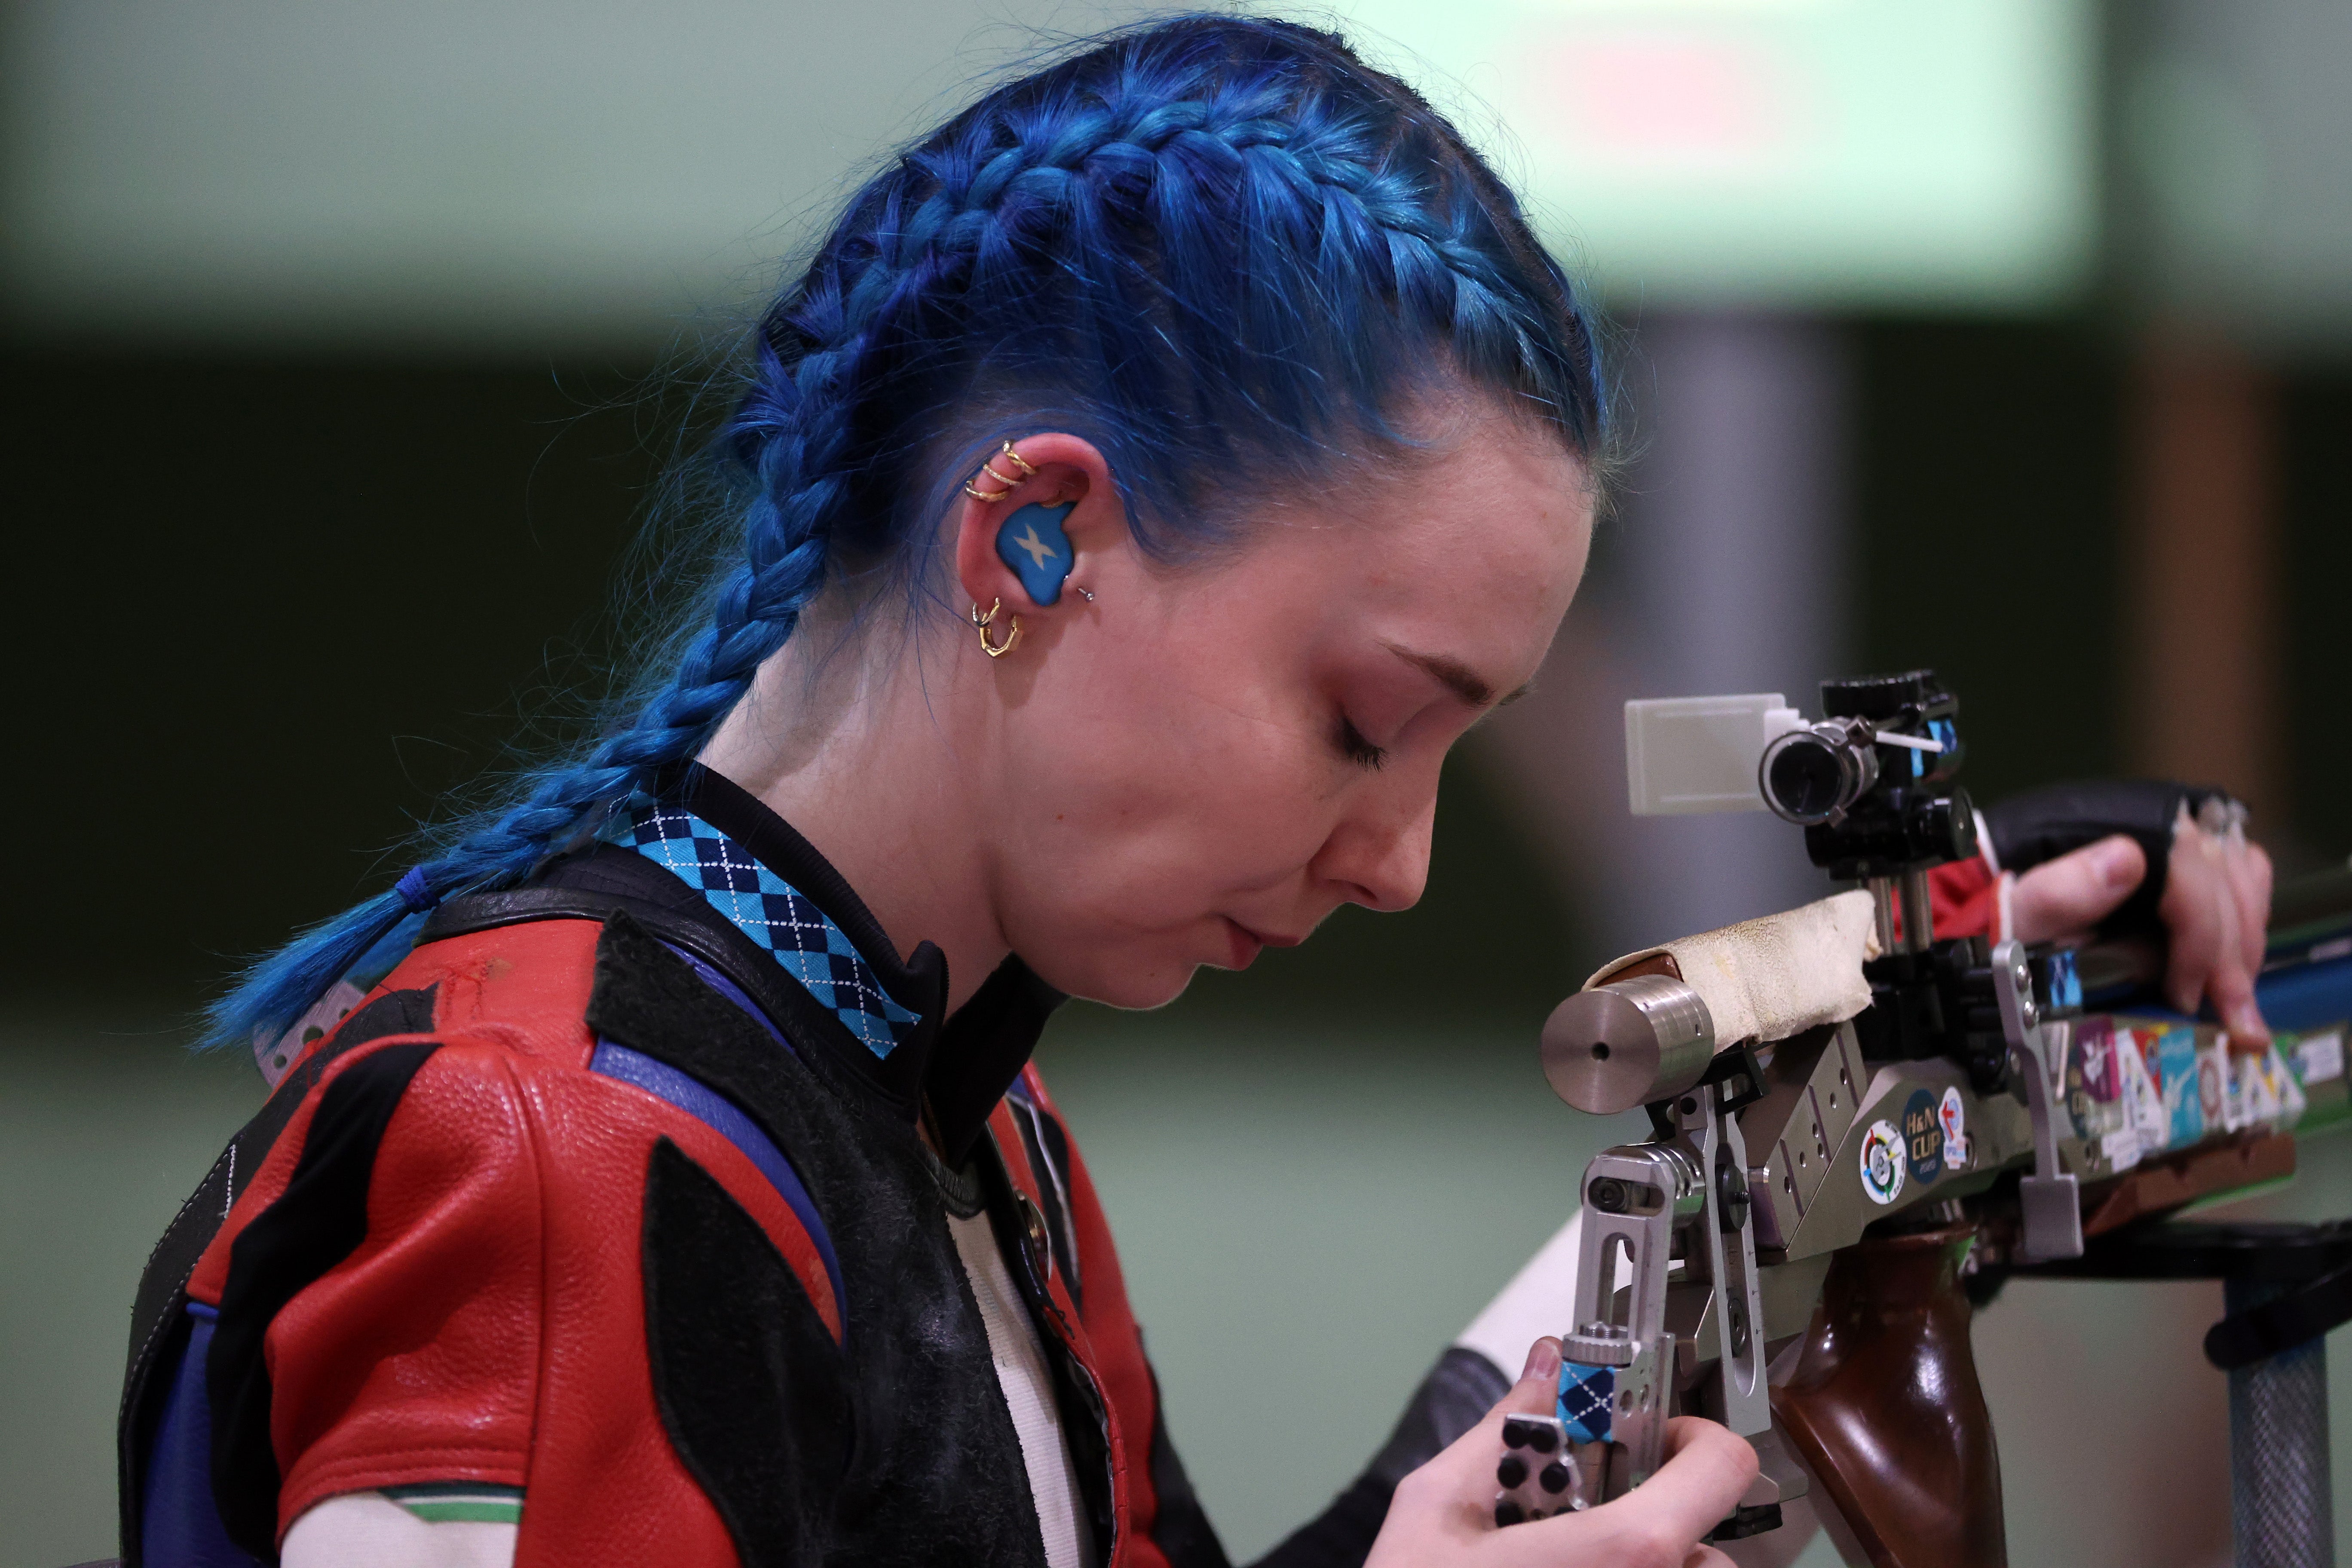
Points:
(1381, 859)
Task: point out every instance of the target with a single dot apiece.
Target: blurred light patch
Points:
(509, 175)
(525, 174)
(1811, 154)
(2236, 152)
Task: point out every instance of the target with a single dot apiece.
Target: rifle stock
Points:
(1884, 1406)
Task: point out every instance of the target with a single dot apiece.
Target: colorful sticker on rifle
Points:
(2319, 1058)
(1881, 1163)
(2184, 1106)
(2213, 1085)
(1923, 1137)
(2143, 1095)
(1954, 1116)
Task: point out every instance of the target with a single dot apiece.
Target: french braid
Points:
(1218, 246)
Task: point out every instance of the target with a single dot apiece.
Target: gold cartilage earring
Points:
(1007, 481)
(981, 622)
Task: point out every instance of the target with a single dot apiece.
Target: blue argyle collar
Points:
(783, 920)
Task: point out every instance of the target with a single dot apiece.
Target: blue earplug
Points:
(1032, 542)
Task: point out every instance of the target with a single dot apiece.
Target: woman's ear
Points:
(1028, 523)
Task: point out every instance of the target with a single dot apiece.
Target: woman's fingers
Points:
(1466, 1466)
(2192, 911)
(2248, 866)
(2077, 891)
(2213, 892)
(1443, 1511)
(1659, 1523)
(1706, 1472)
(2245, 890)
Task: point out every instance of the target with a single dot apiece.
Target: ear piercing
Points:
(983, 620)
(989, 468)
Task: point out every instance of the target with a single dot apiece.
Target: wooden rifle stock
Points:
(1885, 1408)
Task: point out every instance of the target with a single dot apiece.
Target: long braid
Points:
(1218, 239)
(793, 423)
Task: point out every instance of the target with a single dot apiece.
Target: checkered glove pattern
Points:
(1584, 1395)
(774, 914)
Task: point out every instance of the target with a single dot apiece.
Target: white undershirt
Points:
(1028, 1385)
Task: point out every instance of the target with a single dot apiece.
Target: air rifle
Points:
(1857, 1127)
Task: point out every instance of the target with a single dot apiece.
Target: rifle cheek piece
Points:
(1630, 1042)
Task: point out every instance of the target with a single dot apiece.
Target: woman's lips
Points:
(1247, 943)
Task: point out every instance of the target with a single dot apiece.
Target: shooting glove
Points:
(2043, 824)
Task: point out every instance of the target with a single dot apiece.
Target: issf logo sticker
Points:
(1954, 1115)
(1923, 1137)
(1883, 1163)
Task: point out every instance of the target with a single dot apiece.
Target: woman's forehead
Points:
(1469, 570)
(1494, 511)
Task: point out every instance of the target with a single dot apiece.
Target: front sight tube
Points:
(1629, 1042)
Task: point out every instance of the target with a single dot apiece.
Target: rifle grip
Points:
(1886, 1408)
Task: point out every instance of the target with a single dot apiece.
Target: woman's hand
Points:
(1444, 1513)
(2216, 911)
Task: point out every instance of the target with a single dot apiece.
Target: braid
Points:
(1214, 245)
(792, 425)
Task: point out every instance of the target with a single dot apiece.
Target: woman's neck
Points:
(860, 754)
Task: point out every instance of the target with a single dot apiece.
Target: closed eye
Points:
(1358, 750)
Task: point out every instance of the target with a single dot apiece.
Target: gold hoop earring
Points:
(1028, 471)
(981, 622)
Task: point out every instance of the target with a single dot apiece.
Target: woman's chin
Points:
(1132, 988)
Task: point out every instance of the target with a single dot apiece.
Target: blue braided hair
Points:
(1222, 248)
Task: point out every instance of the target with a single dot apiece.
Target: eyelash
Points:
(1358, 750)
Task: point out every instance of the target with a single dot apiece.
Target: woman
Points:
(1154, 472)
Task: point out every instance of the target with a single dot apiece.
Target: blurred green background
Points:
(341, 346)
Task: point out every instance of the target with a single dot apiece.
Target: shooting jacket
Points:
(607, 1212)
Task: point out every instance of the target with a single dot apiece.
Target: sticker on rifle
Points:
(2213, 1087)
(1923, 1138)
(1954, 1116)
(1881, 1163)
(2319, 1058)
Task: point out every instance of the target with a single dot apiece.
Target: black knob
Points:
(1511, 1471)
(1879, 696)
(1507, 1513)
(1554, 1478)
(1730, 1194)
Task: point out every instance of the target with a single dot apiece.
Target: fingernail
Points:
(1543, 1359)
(2117, 866)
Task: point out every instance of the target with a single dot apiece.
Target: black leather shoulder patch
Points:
(751, 1387)
(317, 1222)
(155, 1310)
(199, 1219)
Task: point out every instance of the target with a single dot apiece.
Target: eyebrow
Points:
(1455, 676)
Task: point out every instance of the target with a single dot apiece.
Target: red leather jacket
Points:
(592, 1200)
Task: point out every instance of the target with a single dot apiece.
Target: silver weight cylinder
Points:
(1627, 1043)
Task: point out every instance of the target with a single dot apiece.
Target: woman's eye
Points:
(1358, 750)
